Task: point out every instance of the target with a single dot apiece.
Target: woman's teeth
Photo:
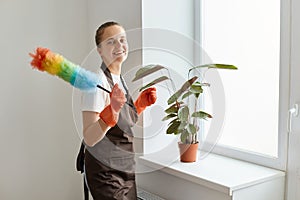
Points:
(118, 53)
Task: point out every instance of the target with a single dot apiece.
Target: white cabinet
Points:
(213, 178)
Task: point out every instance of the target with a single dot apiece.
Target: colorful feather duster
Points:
(57, 65)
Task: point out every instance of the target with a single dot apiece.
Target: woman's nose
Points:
(118, 44)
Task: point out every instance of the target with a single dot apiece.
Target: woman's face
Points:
(114, 48)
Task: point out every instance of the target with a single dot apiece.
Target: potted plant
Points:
(183, 111)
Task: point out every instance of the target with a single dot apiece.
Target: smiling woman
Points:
(109, 164)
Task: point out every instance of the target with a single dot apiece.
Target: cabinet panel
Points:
(270, 190)
(174, 188)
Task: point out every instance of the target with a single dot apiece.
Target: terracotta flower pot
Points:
(188, 152)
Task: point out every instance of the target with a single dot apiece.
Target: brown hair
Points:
(100, 31)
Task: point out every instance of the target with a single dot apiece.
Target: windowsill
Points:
(214, 171)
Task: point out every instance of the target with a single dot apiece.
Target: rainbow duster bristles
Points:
(55, 64)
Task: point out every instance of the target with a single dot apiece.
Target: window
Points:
(248, 34)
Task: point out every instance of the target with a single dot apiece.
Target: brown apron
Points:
(110, 165)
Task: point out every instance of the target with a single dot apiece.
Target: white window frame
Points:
(284, 94)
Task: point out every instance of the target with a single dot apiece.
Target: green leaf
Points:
(173, 128)
(188, 84)
(176, 119)
(183, 136)
(201, 115)
(197, 83)
(179, 131)
(183, 88)
(217, 66)
(174, 97)
(223, 66)
(182, 125)
(183, 114)
(191, 129)
(169, 116)
(186, 94)
(147, 70)
(172, 109)
(196, 89)
(158, 80)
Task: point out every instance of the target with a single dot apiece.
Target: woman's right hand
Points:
(117, 98)
(110, 114)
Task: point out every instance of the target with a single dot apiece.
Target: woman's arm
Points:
(96, 125)
(94, 129)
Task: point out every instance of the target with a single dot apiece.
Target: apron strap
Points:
(108, 75)
(80, 167)
(86, 189)
(80, 159)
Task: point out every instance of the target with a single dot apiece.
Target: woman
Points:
(108, 119)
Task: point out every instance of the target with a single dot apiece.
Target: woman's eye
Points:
(110, 42)
(123, 40)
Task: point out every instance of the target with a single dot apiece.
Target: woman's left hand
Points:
(146, 98)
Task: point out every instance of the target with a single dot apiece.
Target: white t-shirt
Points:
(97, 100)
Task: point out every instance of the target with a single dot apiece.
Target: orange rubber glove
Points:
(110, 114)
(146, 98)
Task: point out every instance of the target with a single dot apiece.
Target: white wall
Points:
(38, 144)
(168, 32)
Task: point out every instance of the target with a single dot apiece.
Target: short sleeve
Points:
(97, 100)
